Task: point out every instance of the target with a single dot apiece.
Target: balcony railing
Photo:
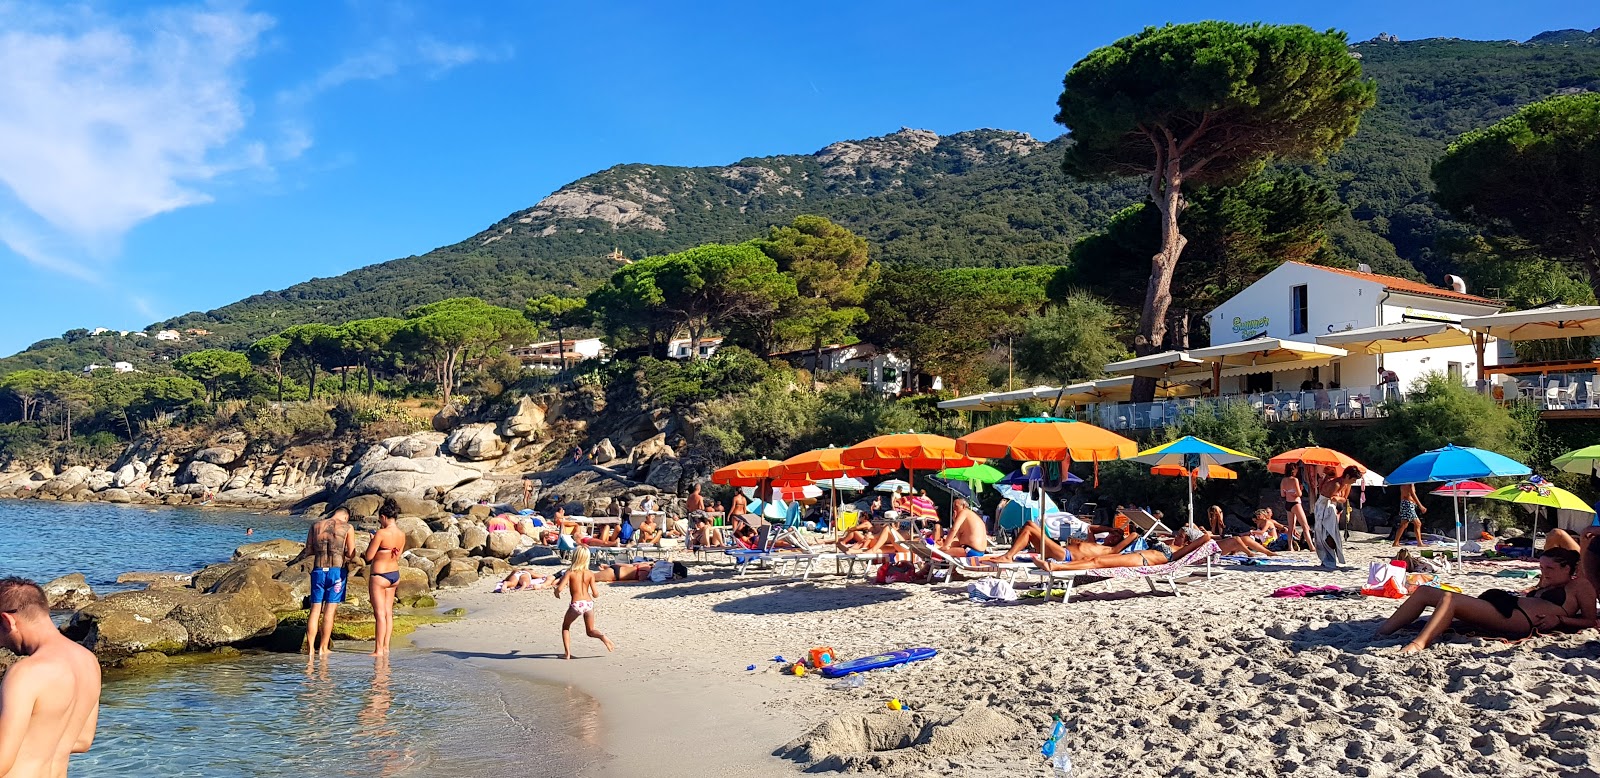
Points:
(1315, 405)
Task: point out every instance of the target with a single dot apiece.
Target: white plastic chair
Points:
(1552, 397)
(1569, 395)
(1594, 389)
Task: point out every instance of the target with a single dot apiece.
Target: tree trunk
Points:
(312, 392)
(447, 377)
(561, 346)
(279, 371)
(1158, 293)
(371, 382)
(344, 379)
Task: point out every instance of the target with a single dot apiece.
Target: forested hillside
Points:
(980, 198)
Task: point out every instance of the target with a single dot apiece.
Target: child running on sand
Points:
(579, 582)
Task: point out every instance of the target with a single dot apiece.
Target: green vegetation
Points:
(1533, 176)
(1072, 340)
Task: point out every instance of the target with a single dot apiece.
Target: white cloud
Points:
(388, 55)
(107, 121)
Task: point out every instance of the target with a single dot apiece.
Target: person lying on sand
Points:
(1242, 545)
(525, 579)
(1269, 533)
(1562, 600)
(1159, 553)
(635, 572)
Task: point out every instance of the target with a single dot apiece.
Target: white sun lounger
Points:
(1170, 571)
(938, 559)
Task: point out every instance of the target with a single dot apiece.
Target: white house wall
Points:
(1334, 303)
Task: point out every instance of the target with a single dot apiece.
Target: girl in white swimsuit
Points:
(580, 585)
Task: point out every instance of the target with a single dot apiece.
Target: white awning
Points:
(1405, 336)
(1548, 323)
(1119, 390)
(972, 402)
(1153, 365)
(1020, 395)
(1260, 351)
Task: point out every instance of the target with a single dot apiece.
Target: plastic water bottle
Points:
(1061, 764)
(1060, 761)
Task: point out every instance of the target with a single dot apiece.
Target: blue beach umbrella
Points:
(1452, 465)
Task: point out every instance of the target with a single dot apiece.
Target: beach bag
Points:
(897, 572)
(1386, 579)
(627, 532)
(991, 590)
(661, 571)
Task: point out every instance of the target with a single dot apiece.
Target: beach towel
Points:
(1302, 590)
(1330, 541)
(991, 590)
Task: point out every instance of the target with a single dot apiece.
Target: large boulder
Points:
(69, 592)
(209, 575)
(116, 495)
(216, 456)
(503, 543)
(130, 475)
(277, 550)
(362, 506)
(204, 474)
(148, 605)
(98, 480)
(413, 478)
(525, 421)
(418, 445)
(155, 579)
(254, 583)
(443, 541)
(298, 580)
(415, 529)
(649, 449)
(474, 442)
(665, 474)
(474, 538)
(603, 452)
(69, 479)
(220, 620)
(124, 634)
(459, 572)
(413, 581)
(446, 419)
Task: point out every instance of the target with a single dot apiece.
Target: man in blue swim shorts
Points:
(332, 546)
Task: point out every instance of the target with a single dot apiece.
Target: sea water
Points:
(265, 714)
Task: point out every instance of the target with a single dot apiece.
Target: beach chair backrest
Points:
(1145, 523)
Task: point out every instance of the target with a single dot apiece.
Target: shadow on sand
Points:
(805, 598)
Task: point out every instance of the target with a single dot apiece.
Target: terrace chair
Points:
(1593, 398)
(1552, 399)
(1206, 555)
(1569, 395)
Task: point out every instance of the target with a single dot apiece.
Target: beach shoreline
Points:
(1222, 679)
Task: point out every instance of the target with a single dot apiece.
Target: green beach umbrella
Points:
(982, 474)
(1581, 461)
(1537, 491)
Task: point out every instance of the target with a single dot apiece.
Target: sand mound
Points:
(896, 741)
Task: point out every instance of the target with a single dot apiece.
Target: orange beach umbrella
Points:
(750, 472)
(820, 464)
(1314, 456)
(909, 450)
(1209, 471)
(1051, 440)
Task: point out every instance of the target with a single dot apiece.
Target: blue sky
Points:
(162, 158)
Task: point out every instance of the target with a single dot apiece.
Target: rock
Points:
(130, 475)
(362, 506)
(98, 480)
(417, 446)
(216, 456)
(255, 584)
(399, 477)
(69, 592)
(603, 452)
(446, 419)
(125, 634)
(474, 442)
(278, 550)
(416, 531)
(526, 420)
(149, 605)
(504, 542)
(443, 541)
(69, 479)
(459, 572)
(116, 495)
(649, 449)
(425, 565)
(203, 473)
(154, 580)
(493, 567)
(220, 620)
(480, 511)
(665, 474)
(299, 583)
(208, 576)
(415, 506)
(413, 582)
(474, 538)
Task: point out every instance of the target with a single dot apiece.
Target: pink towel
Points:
(1301, 590)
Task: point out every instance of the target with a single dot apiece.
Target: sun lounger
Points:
(938, 559)
(1204, 555)
(1145, 523)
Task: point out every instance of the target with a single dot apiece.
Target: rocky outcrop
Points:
(277, 550)
(69, 480)
(255, 584)
(69, 592)
(125, 634)
(223, 620)
(415, 529)
(403, 476)
(503, 543)
(417, 446)
(525, 421)
(203, 473)
(569, 204)
(216, 455)
(474, 442)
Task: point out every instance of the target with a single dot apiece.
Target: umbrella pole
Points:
(1191, 496)
(1455, 504)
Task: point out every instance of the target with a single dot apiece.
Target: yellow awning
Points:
(1392, 338)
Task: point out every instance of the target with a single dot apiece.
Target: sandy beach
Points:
(1223, 680)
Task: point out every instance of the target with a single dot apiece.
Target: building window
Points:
(1298, 320)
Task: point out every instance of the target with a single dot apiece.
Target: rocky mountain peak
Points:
(891, 152)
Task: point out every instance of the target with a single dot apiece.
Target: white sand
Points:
(1223, 680)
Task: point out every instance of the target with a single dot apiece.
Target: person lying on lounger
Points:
(862, 533)
(1159, 553)
(1077, 546)
(1562, 600)
(705, 534)
(886, 538)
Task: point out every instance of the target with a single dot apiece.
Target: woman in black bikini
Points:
(1563, 600)
(383, 578)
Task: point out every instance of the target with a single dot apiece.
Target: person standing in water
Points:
(580, 586)
(50, 699)
(383, 577)
(332, 546)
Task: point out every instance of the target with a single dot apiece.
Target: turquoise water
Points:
(264, 714)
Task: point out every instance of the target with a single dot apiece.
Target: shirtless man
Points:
(1333, 497)
(1104, 557)
(332, 546)
(968, 536)
(649, 533)
(50, 699)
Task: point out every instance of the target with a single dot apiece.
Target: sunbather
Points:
(524, 578)
(862, 533)
(1159, 553)
(887, 538)
(1242, 545)
(1076, 547)
(624, 572)
(1562, 600)
(1588, 554)
(705, 534)
(648, 533)
(968, 536)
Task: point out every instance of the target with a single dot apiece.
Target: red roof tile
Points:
(1405, 285)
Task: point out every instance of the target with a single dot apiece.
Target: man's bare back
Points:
(49, 699)
(327, 542)
(966, 532)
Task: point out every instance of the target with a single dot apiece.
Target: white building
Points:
(1383, 322)
(681, 348)
(169, 335)
(547, 355)
(880, 370)
(122, 367)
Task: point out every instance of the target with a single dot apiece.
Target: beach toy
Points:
(751, 667)
(896, 704)
(797, 669)
(778, 659)
(821, 656)
(876, 661)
